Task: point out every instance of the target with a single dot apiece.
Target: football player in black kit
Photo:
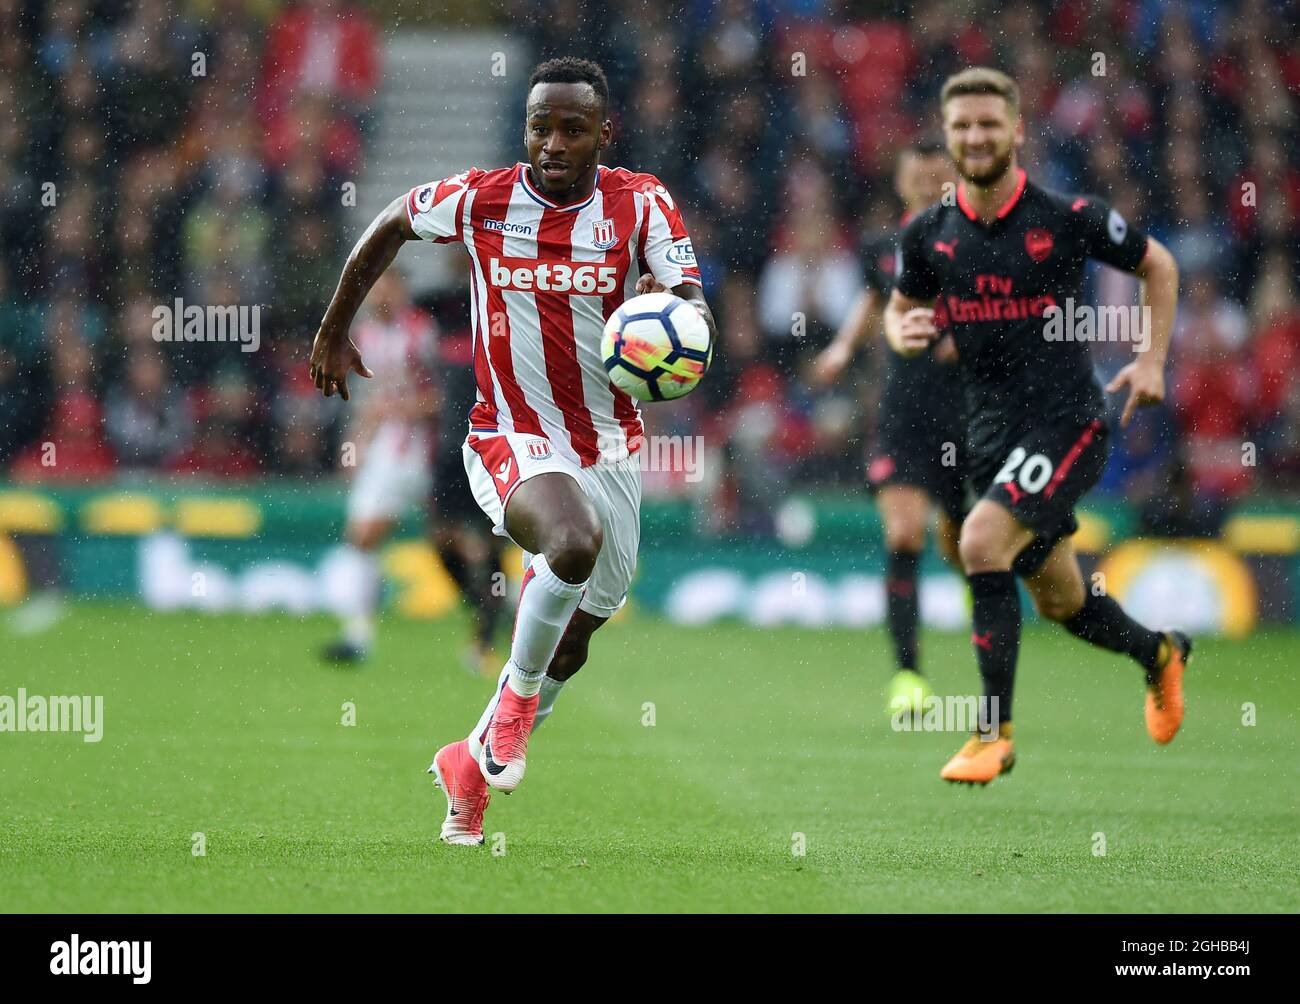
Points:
(471, 554)
(917, 462)
(991, 271)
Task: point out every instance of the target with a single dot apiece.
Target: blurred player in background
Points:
(987, 270)
(390, 439)
(917, 465)
(555, 245)
(470, 552)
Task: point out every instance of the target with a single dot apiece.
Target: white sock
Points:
(550, 690)
(546, 703)
(476, 737)
(359, 630)
(546, 605)
(359, 617)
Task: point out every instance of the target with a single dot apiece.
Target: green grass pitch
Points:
(227, 726)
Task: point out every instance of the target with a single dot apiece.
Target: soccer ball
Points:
(656, 347)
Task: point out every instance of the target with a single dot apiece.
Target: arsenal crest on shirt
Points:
(1038, 242)
(603, 236)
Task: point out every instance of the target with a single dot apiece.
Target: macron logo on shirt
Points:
(507, 228)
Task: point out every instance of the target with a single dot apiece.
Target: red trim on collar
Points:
(1009, 205)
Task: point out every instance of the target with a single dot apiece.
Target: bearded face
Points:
(982, 136)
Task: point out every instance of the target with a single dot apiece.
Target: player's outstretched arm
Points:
(333, 355)
(909, 324)
(693, 294)
(864, 318)
(1145, 376)
(689, 292)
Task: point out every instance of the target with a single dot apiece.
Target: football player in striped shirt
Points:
(555, 245)
(388, 442)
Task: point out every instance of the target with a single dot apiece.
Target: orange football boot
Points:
(980, 761)
(1164, 706)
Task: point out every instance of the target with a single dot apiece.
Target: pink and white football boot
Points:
(467, 793)
(505, 743)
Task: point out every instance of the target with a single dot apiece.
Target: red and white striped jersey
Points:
(401, 353)
(543, 280)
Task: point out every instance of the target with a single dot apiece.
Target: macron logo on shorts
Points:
(503, 474)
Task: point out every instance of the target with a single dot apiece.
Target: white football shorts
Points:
(497, 463)
(393, 476)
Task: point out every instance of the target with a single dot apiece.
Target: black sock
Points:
(475, 580)
(491, 605)
(903, 607)
(457, 568)
(996, 637)
(1101, 621)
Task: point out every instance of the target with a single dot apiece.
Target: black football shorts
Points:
(923, 458)
(1041, 478)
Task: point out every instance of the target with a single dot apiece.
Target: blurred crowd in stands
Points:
(155, 152)
(773, 122)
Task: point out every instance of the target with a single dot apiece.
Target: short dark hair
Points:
(572, 70)
(926, 146)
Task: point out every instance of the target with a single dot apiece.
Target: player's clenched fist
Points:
(332, 359)
(914, 331)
